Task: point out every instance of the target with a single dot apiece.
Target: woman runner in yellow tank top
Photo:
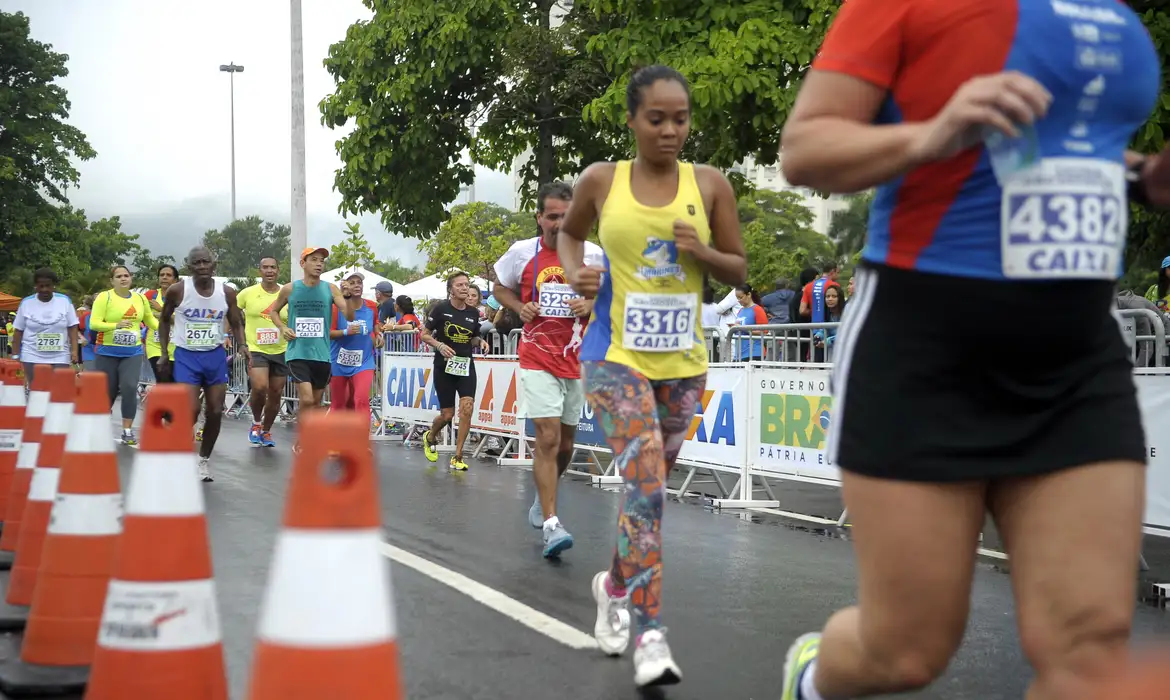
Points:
(664, 225)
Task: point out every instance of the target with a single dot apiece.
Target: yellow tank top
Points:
(646, 315)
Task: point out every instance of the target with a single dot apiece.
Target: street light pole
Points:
(231, 69)
(299, 220)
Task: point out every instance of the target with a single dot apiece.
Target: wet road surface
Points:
(737, 588)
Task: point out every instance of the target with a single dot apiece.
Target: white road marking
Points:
(509, 607)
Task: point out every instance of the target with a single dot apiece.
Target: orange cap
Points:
(309, 251)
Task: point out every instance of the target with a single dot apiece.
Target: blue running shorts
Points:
(207, 368)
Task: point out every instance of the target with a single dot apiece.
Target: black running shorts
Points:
(952, 379)
(274, 363)
(448, 385)
(311, 372)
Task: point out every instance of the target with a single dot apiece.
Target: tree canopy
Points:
(474, 238)
(416, 78)
(239, 246)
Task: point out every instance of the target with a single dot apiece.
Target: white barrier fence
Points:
(759, 423)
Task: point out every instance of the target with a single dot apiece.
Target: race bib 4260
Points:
(659, 322)
(310, 328)
(1064, 218)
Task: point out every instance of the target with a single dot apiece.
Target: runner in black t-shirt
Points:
(452, 329)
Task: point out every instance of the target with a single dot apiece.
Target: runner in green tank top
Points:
(310, 308)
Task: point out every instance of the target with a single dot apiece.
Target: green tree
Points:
(416, 77)
(778, 237)
(744, 60)
(420, 73)
(239, 246)
(847, 227)
(473, 239)
(38, 149)
(395, 269)
(146, 265)
(92, 282)
(353, 251)
(62, 239)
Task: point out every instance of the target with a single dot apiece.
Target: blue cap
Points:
(1166, 262)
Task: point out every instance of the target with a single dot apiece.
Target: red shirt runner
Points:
(549, 343)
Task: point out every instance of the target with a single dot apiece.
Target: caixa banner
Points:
(714, 435)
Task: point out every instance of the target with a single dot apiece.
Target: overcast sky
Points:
(146, 89)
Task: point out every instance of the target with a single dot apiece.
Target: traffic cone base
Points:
(23, 680)
(13, 618)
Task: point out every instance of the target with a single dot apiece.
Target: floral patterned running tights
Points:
(645, 423)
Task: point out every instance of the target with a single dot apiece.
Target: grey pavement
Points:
(737, 588)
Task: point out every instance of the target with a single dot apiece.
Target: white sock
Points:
(808, 691)
(551, 523)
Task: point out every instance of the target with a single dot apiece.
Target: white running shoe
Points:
(653, 664)
(204, 469)
(612, 629)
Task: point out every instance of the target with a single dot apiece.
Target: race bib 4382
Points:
(1065, 218)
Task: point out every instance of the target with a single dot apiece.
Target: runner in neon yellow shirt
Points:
(117, 317)
(167, 275)
(269, 372)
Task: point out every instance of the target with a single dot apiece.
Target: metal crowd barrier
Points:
(237, 402)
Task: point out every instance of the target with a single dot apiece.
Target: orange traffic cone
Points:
(13, 617)
(43, 489)
(160, 637)
(11, 428)
(327, 627)
(78, 557)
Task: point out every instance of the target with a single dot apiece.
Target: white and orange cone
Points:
(13, 616)
(12, 406)
(43, 489)
(160, 635)
(78, 557)
(327, 626)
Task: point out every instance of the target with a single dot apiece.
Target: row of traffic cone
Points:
(118, 600)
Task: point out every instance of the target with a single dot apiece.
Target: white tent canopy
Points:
(433, 287)
(372, 279)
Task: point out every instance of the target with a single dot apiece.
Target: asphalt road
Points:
(737, 588)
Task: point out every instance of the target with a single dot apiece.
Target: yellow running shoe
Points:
(802, 653)
(431, 452)
(458, 465)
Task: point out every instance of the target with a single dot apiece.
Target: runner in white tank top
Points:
(199, 320)
(197, 309)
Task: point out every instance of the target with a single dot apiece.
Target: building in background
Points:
(771, 177)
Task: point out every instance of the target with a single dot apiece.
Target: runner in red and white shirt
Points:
(532, 283)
